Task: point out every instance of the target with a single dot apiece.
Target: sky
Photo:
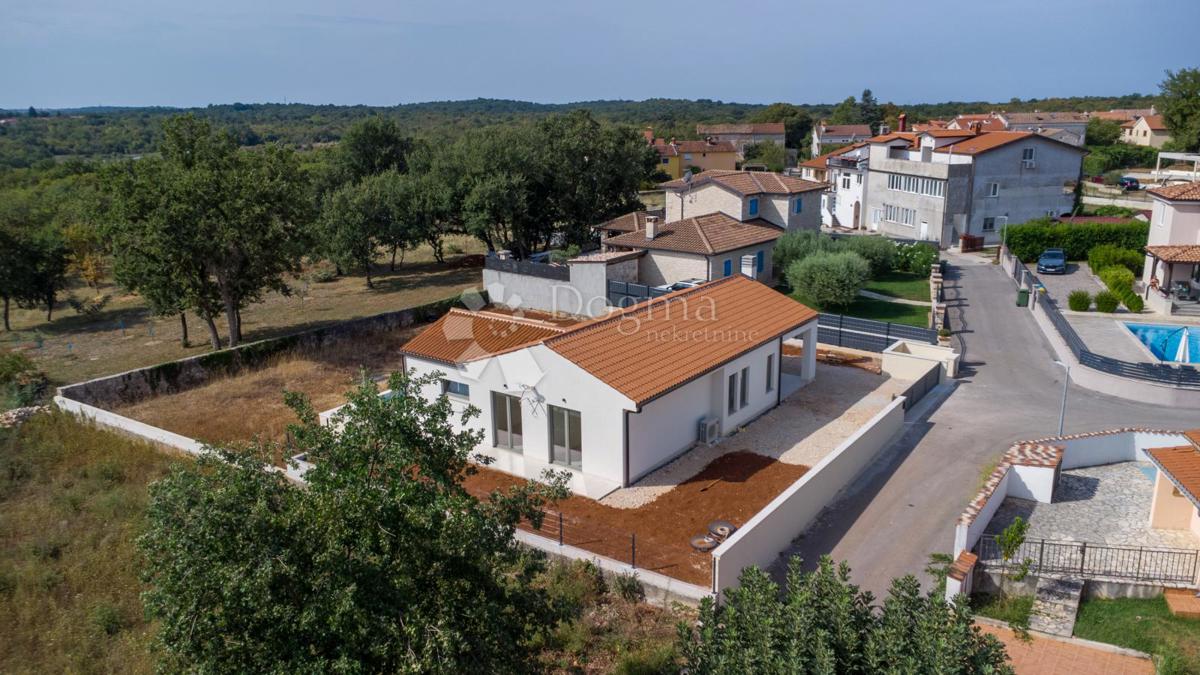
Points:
(70, 53)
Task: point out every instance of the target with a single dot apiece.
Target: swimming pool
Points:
(1164, 341)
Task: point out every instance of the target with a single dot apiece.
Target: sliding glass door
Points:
(506, 421)
(566, 441)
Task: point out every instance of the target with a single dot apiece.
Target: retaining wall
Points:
(174, 376)
(772, 529)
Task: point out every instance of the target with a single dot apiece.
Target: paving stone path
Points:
(1055, 606)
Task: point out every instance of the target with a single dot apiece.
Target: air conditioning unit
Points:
(1028, 164)
(709, 430)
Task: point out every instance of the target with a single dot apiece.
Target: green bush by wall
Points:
(1106, 302)
(1028, 240)
(1079, 300)
(1108, 255)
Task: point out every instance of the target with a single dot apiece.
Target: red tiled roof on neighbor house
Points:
(1181, 465)
(1182, 192)
(820, 162)
(747, 183)
(1045, 117)
(995, 139)
(630, 222)
(461, 336)
(856, 130)
(1176, 253)
(682, 334)
(709, 234)
(760, 128)
(676, 148)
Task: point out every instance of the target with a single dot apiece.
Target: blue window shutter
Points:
(754, 206)
(759, 261)
(799, 204)
(728, 267)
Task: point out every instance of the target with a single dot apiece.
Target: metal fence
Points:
(1175, 375)
(528, 268)
(1081, 559)
(616, 544)
(917, 390)
(867, 334)
(627, 294)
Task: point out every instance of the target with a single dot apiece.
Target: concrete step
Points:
(1055, 605)
(1183, 602)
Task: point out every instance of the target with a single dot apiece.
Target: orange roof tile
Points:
(761, 128)
(908, 136)
(674, 149)
(1183, 192)
(630, 222)
(1155, 122)
(1176, 253)
(683, 334)
(994, 139)
(708, 234)
(747, 182)
(857, 130)
(819, 162)
(1194, 437)
(1182, 466)
(461, 336)
(948, 133)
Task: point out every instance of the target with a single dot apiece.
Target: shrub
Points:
(107, 619)
(879, 252)
(629, 587)
(1106, 302)
(648, 660)
(570, 586)
(21, 383)
(1079, 300)
(1117, 279)
(1132, 301)
(798, 245)
(1106, 255)
(1028, 240)
(916, 258)
(829, 279)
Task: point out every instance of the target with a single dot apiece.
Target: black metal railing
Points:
(528, 268)
(868, 334)
(1183, 376)
(917, 390)
(1090, 561)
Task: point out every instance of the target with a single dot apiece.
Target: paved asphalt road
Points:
(1009, 390)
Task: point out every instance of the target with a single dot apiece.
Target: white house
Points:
(741, 135)
(1149, 130)
(943, 183)
(1172, 271)
(788, 202)
(824, 136)
(612, 399)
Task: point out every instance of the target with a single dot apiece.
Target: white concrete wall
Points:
(666, 267)
(965, 536)
(1035, 483)
(716, 263)
(909, 360)
(551, 380)
(708, 198)
(131, 427)
(772, 529)
(1112, 448)
(667, 426)
(588, 293)
(1174, 223)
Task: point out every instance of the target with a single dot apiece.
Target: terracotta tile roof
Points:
(1050, 118)
(1130, 124)
(963, 565)
(680, 339)
(908, 136)
(1032, 453)
(819, 162)
(926, 126)
(948, 133)
(1155, 122)
(1122, 114)
(761, 128)
(607, 257)
(995, 139)
(1182, 192)
(1182, 466)
(748, 183)
(1176, 253)
(856, 130)
(1194, 437)
(678, 147)
(461, 336)
(984, 121)
(709, 234)
(630, 222)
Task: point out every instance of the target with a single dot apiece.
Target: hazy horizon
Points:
(141, 53)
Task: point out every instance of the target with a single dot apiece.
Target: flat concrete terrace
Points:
(1106, 504)
(804, 428)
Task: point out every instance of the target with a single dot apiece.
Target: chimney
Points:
(651, 226)
(902, 122)
(749, 266)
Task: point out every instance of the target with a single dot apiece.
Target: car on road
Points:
(1129, 183)
(1052, 261)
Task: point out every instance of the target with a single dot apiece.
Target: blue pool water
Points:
(1164, 340)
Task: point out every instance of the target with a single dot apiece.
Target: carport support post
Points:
(633, 550)
(808, 370)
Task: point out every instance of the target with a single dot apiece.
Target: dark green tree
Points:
(822, 623)
(1102, 132)
(846, 112)
(372, 146)
(382, 562)
(869, 110)
(796, 121)
(1179, 99)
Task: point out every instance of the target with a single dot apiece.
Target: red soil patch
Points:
(838, 357)
(732, 487)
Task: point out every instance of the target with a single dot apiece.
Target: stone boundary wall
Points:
(772, 529)
(174, 376)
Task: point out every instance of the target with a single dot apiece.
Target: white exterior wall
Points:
(777, 209)
(666, 267)
(708, 198)
(1034, 483)
(555, 381)
(1171, 223)
(845, 198)
(716, 263)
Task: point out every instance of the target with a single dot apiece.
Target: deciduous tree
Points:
(1180, 102)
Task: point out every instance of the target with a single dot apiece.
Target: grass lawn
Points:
(1013, 609)
(73, 501)
(1144, 625)
(882, 310)
(901, 285)
(123, 335)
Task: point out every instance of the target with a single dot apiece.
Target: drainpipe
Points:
(625, 481)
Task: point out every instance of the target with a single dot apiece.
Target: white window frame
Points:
(993, 190)
(448, 387)
(770, 373)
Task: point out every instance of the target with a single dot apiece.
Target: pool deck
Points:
(1108, 336)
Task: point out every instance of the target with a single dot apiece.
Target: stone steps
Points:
(1183, 602)
(1055, 606)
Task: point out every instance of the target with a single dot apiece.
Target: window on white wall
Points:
(989, 224)
(452, 388)
(566, 437)
(770, 373)
(993, 189)
(745, 392)
(733, 390)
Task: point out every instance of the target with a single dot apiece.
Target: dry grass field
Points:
(123, 335)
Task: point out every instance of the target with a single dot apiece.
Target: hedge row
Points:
(1028, 240)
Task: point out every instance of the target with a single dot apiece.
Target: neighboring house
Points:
(707, 247)
(1149, 130)
(928, 126)
(1070, 127)
(1173, 249)
(976, 122)
(941, 184)
(826, 137)
(1176, 504)
(608, 401)
(676, 157)
(789, 202)
(741, 135)
(845, 201)
(1122, 115)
